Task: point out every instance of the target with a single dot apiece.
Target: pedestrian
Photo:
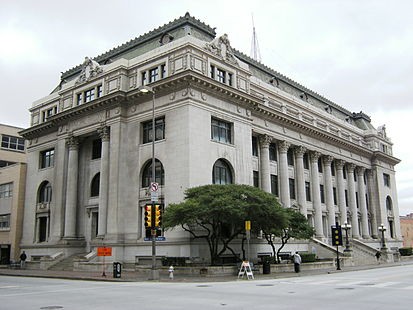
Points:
(378, 254)
(297, 262)
(23, 258)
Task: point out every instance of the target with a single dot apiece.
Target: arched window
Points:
(94, 186)
(44, 193)
(221, 172)
(147, 173)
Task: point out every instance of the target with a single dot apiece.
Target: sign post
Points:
(248, 233)
(104, 251)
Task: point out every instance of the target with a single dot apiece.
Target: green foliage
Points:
(308, 257)
(406, 251)
(217, 213)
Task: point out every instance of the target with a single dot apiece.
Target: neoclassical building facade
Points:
(220, 117)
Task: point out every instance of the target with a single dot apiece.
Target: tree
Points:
(217, 213)
(297, 228)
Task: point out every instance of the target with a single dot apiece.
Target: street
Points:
(381, 288)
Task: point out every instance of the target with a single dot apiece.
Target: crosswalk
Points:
(338, 282)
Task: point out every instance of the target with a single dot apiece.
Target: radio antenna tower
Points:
(255, 49)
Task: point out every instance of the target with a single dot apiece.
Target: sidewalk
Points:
(132, 276)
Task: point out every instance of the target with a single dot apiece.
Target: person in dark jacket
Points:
(23, 258)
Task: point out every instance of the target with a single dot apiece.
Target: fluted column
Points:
(328, 186)
(265, 141)
(283, 173)
(341, 190)
(352, 200)
(363, 206)
(104, 181)
(299, 175)
(71, 187)
(315, 189)
(372, 194)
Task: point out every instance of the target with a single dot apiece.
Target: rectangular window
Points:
(322, 194)
(346, 196)
(386, 179)
(143, 77)
(254, 146)
(320, 165)
(307, 191)
(79, 99)
(357, 200)
(273, 151)
(159, 130)
(335, 195)
(47, 158)
(229, 79)
(153, 75)
(4, 221)
(89, 95)
(305, 161)
(291, 184)
(220, 131)
(163, 71)
(256, 179)
(333, 169)
(344, 172)
(221, 76)
(212, 72)
(12, 143)
(290, 157)
(274, 184)
(97, 149)
(6, 190)
(99, 91)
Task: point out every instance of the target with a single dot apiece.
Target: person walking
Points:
(297, 262)
(23, 258)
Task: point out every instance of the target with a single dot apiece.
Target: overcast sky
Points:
(357, 53)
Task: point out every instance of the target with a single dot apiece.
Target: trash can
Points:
(266, 267)
(117, 270)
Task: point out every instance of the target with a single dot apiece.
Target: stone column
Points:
(363, 206)
(104, 182)
(372, 193)
(71, 187)
(341, 191)
(283, 173)
(315, 189)
(265, 141)
(299, 174)
(352, 200)
(328, 186)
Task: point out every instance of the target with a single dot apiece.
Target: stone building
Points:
(406, 224)
(12, 187)
(220, 117)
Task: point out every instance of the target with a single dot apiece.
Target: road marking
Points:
(9, 286)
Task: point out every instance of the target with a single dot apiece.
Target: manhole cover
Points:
(51, 307)
(265, 284)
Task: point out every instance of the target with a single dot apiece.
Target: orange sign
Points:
(104, 251)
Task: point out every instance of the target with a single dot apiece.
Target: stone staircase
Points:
(67, 263)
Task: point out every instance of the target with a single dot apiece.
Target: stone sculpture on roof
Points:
(221, 47)
(90, 69)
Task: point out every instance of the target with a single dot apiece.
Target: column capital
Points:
(103, 132)
(339, 164)
(351, 167)
(327, 160)
(314, 156)
(72, 142)
(283, 146)
(360, 171)
(265, 140)
(300, 151)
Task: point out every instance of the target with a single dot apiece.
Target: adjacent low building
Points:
(406, 224)
(220, 117)
(12, 189)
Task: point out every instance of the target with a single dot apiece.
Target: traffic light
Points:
(148, 216)
(158, 215)
(337, 237)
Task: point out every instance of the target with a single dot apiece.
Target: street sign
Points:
(154, 196)
(104, 251)
(160, 238)
(154, 187)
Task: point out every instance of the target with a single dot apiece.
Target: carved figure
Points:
(90, 69)
(221, 47)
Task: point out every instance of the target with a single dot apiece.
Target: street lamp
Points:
(346, 226)
(382, 229)
(144, 89)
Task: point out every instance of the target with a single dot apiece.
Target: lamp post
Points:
(382, 229)
(144, 90)
(346, 226)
